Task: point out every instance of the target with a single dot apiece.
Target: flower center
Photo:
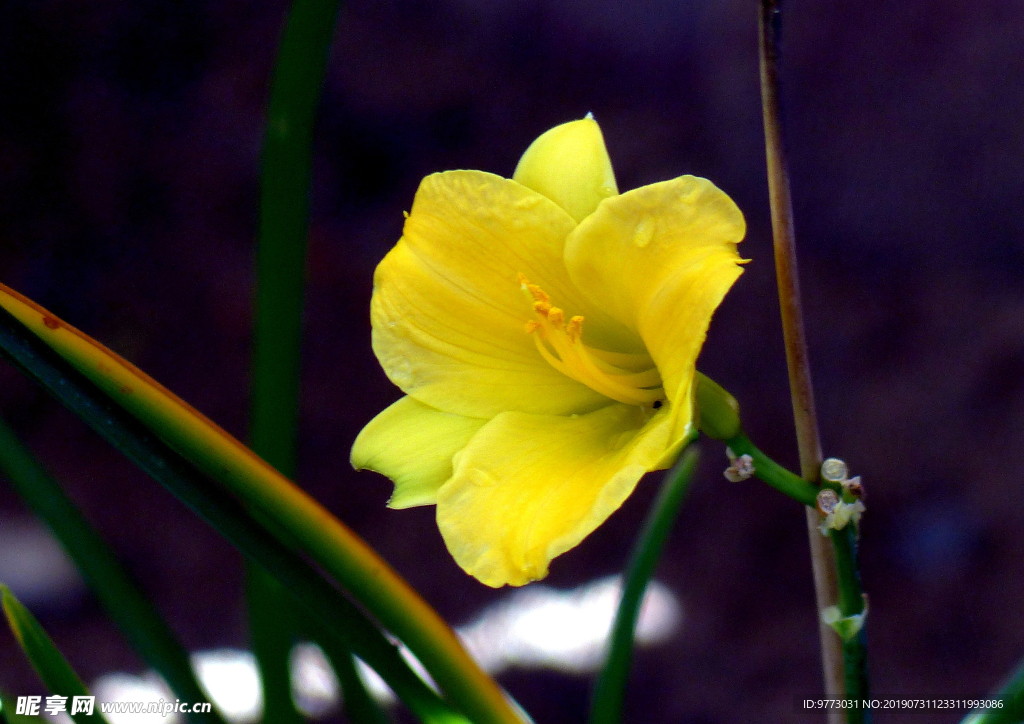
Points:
(629, 378)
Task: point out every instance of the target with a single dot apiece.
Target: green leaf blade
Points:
(222, 511)
(358, 704)
(285, 182)
(133, 613)
(9, 712)
(272, 624)
(26, 329)
(1011, 699)
(46, 658)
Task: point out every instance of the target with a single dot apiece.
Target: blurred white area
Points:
(228, 675)
(535, 627)
(125, 687)
(314, 683)
(541, 626)
(34, 566)
(232, 681)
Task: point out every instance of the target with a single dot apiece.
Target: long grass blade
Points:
(126, 605)
(334, 612)
(284, 212)
(358, 704)
(340, 552)
(9, 712)
(280, 263)
(47, 660)
(272, 632)
(609, 691)
(1010, 709)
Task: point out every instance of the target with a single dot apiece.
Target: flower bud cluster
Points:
(839, 511)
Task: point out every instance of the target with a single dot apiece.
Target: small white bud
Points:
(841, 515)
(834, 470)
(828, 499)
(846, 626)
(853, 487)
(741, 468)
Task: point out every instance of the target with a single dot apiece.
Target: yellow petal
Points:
(569, 164)
(413, 444)
(530, 487)
(660, 259)
(448, 311)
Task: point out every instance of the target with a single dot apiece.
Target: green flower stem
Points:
(606, 707)
(334, 612)
(774, 474)
(1012, 710)
(133, 613)
(844, 546)
(284, 218)
(46, 658)
(851, 603)
(851, 598)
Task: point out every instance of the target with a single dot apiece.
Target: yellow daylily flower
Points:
(545, 330)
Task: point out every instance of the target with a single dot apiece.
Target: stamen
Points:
(634, 380)
(625, 360)
(551, 359)
(647, 378)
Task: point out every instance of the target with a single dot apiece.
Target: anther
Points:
(537, 293)
(574, 329)
(534, 291)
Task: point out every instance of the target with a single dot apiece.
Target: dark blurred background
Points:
(129, 152)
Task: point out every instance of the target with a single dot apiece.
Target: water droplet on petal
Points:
(643, 233)
(480, 477)
(401, 373)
